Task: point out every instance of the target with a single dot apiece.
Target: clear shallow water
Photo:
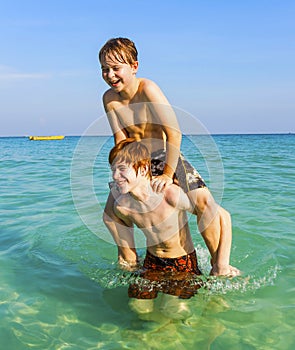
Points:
(59, 285)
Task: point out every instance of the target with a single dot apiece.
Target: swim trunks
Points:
(174, 276)
(186, 176)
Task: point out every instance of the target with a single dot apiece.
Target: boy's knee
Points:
(204, 200)
(141, 306)
(225, 214)
(175, 308)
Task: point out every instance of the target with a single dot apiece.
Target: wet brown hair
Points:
(132, 152)
(122, 49)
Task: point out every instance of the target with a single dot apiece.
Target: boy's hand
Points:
(130, 266)
(159, 183)
(226, 271)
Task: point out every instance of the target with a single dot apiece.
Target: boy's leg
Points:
(175, 308)
(141, 306)
(207, 218)
(146, 310)
(214, 223)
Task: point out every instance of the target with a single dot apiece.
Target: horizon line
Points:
(184, 134)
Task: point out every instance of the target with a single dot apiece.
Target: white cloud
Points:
(8, 73)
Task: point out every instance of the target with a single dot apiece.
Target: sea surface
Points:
(60, 287)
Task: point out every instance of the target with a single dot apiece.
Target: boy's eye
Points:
(107, 69)
(120, 168)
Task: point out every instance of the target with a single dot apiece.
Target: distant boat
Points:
(46, 138)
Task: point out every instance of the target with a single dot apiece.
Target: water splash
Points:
(111, 276)
(241, 284)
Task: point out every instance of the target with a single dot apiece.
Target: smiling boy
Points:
(161, 216)
(170, 265)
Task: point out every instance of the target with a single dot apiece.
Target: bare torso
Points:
(165, 228)
(137, 117)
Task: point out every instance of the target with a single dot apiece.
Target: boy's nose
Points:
(110, 73)
(115, 174)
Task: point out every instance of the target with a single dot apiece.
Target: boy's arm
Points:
(122, 233)
(166, 118)
(123, 236)
(117, 129)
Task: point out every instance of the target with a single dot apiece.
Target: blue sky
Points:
(229, 63)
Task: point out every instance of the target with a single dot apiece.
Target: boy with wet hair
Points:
(137, 108)
(122, 49)
(170, 265)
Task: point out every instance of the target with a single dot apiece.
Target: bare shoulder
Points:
(110, 98)
(144, 82)
(121, 204)
(109, 95)
(121, 211)
(172, 194)
(175, 197)
(151, 91)
(147, 85)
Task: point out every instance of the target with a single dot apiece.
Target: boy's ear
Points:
(143, 170)
(134, 66)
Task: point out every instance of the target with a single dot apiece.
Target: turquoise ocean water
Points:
(59, 284)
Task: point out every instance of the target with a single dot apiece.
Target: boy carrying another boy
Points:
(137, 108)
(170, 265)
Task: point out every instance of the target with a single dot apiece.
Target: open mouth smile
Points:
(115, 83)
(120, 183)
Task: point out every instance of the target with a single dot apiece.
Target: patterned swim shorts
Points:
(186, 176)
(174, 276)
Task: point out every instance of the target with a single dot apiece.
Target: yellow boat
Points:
(46, 138)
